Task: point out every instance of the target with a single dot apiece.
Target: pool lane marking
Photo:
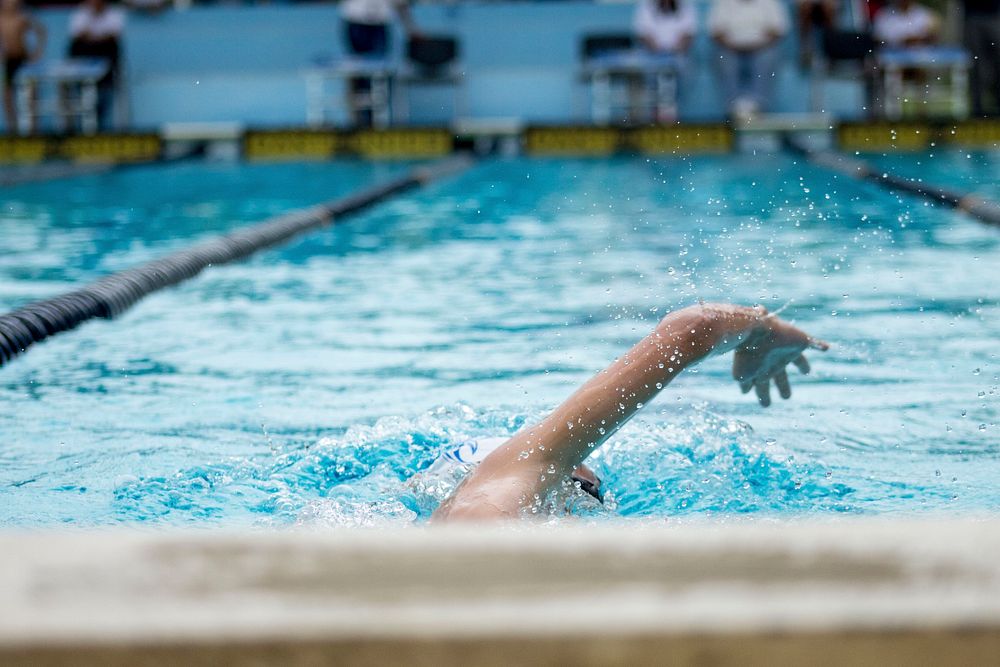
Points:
(112, 295)
(981, 208)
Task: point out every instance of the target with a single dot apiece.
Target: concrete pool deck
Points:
(851, 591)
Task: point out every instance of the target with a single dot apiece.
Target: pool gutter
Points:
(855, 591)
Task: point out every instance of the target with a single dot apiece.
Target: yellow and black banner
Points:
(582, 140)
(887, 136)
(388, 144)
(652, 140)
(111, 148)
(96, 149)
(681, 139)
(291, 144)
(23, 150)
(978, 134)
(400, 144)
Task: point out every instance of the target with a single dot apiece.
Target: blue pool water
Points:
(316, 383)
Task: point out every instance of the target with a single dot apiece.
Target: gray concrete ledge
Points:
(855, 591)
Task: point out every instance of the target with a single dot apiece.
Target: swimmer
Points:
(514, 474)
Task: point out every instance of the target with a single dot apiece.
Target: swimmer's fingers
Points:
(801, 363)
(743, 371)
(781, 382)
(817, 344)
(814, 344)
(763, 387)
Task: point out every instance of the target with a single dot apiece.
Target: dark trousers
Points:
(365, 40)
(982, 39)
(110, 50)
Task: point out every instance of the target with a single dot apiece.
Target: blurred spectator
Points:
(150, 7)
(815, 17)
(903, 23)
(873, 7)
(981, 33)
(95, 32)
(665, 26)
(747, 32)
(366, 27)
(16, 25)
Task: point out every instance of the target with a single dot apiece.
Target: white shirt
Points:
(369, 12)
(109, 23)
(666, 31)
(747, 24)
(895, 27)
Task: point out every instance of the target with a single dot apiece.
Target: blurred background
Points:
(280, 64)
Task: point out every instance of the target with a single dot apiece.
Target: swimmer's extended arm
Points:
(538, 457)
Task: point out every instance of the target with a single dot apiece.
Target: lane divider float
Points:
(112, 295)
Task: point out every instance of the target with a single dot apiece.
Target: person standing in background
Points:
(747, 33)
(815, 18)
(17, 30)
(95, 31)
(666, 27)
(904, 23)
(366, 30)
(981, 36)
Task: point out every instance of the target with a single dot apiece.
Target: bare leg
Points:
(32, 106)
(9, 109)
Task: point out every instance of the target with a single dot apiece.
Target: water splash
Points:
(384, 474)
(701, 463)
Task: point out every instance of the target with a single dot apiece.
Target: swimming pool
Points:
(310, 383)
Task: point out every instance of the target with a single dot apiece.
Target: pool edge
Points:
(865, 591)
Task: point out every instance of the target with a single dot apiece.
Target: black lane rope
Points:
(112, 295)
(981, 208)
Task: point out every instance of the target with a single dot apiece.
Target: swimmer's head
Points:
(588, 482)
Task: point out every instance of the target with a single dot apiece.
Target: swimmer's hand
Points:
(763, 356)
